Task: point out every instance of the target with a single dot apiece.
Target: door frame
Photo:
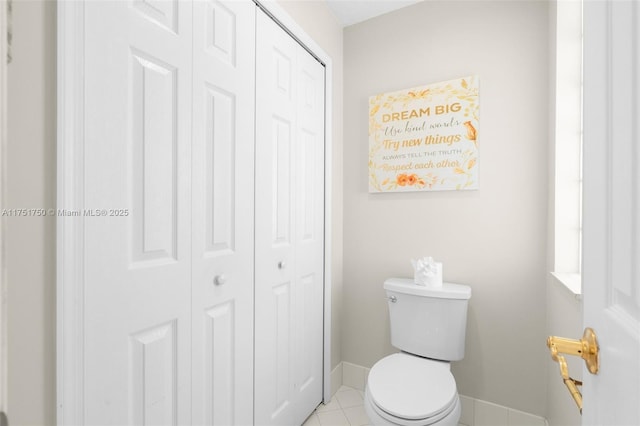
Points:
(4, 61)
(70, 197)
(70, 230)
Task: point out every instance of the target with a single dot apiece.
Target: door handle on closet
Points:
(219, 279)
(282, 265)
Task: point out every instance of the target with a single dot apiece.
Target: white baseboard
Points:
(336, 379)
(354, 375)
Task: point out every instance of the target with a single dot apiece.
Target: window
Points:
(568, 145)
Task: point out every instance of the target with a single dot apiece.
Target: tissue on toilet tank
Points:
(427, 272)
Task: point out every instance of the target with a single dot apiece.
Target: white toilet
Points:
(415, 386)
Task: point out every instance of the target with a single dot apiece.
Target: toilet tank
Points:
(428, 321)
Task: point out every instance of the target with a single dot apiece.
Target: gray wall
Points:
(493, 239)
(30, 241)
(564, 313)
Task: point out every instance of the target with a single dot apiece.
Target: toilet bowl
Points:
(405, 389)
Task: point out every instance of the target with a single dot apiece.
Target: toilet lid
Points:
(411, 387)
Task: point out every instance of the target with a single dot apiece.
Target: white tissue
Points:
(427, 272)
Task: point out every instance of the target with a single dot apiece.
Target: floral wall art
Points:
(425, 138)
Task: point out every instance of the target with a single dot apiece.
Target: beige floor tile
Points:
(356, 415)
(333, 405)
(312, 420)
(349, 398)
(333, 418)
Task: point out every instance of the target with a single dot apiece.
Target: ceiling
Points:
(351, 12)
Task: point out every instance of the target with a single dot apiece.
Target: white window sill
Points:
(572, 282)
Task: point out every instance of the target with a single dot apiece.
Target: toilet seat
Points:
(407, 389)
(448, 417)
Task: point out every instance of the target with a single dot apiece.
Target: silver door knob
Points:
(219, 279)
(282, 265)
(393, 299)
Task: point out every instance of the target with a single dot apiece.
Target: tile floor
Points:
(345, 409)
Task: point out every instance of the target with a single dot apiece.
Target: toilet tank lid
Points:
(447, 291)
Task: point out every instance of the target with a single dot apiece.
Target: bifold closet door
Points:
(136, 276)
(222, 226)
(168, 273)
(289, 227)
(182, 229)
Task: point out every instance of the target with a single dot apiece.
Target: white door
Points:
(137, 246)
(611, 250)
(222, 225)
(289, 227)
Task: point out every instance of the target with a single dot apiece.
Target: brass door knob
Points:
(586, 348)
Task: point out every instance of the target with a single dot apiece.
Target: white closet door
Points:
(289, 227)
(309, 236)
(137, 271)
(222, 232)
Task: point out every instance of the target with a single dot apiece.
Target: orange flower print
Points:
(471, 163)
(409, 180)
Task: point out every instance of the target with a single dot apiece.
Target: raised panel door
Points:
(611, 236)
(289, 219)
(222, 224)
(137, 251)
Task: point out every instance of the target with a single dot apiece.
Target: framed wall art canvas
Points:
(425, 138)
